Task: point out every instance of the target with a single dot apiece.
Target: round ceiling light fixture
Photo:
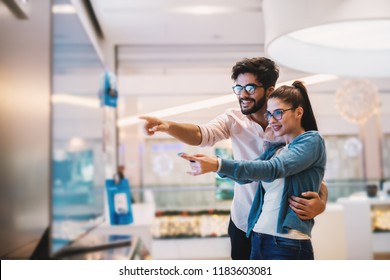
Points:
(357, 101)
(349, 38)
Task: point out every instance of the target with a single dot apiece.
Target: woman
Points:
(283, 170)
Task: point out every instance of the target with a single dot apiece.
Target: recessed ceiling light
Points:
(63, 9)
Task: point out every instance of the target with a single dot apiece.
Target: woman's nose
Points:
(272, 120)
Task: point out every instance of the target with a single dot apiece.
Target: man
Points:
(254, 80)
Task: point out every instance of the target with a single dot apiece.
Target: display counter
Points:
(129, 248)
(367, 225)
(120, 242)
(191, 233)
(190, 223)
(187, 235)
(328, 234)
(203, 248)
(143, 215)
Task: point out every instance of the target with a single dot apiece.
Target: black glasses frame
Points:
(249, 88)
(277, 114)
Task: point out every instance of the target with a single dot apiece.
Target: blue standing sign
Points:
(119, 201)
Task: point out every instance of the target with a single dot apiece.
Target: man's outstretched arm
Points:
(185, 132)
(310, 204)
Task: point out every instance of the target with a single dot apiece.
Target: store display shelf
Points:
(190, 224)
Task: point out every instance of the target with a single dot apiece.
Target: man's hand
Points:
(185, 132)
(308, 206)
(153, 125)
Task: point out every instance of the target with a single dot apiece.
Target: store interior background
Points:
(168, 62)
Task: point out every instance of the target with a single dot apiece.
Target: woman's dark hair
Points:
(296, 95)
(264, 69)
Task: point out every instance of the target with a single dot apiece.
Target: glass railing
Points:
(219, 197)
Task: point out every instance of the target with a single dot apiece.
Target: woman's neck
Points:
(289, 138)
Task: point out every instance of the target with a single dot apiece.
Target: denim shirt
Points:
(303, 167)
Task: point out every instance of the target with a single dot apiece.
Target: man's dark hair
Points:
(264, 69)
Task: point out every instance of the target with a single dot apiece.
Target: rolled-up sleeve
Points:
(215, 130)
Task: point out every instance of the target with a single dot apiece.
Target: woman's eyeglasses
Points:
(277, 114)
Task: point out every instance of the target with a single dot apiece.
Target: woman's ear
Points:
(300, 111)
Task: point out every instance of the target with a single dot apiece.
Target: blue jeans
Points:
(269, 247)
(240, 244)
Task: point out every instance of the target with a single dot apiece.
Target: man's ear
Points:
(270, 90)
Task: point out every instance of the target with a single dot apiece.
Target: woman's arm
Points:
(303, 152)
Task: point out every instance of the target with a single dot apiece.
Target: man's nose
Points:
(244, 93)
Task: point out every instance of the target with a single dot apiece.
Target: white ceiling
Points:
(156, 40)
(157, 36)
(162, 35)
(166, 22)
(157, 43)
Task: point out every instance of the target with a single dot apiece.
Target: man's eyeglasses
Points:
(277, 114)
(249, 88)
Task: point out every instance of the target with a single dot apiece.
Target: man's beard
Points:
(257, 105)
